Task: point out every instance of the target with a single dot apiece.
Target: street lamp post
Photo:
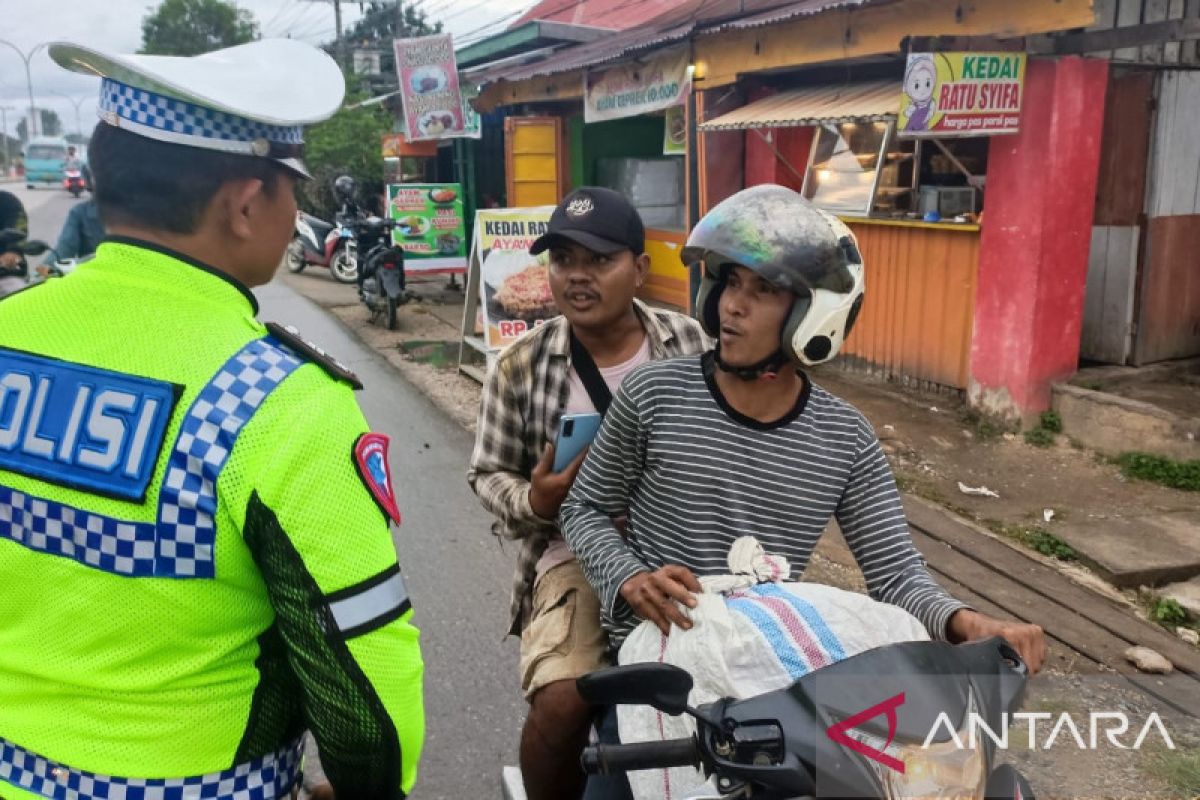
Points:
(75, 102)
(33, 126)
(4, 130)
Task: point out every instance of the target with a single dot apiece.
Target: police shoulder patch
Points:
(371, 458)
(288, 336)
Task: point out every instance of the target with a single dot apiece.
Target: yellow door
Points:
(533, 166)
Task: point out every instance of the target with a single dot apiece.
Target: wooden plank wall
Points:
(916, 322)
(1169, 292)
(1120, 198)
(1108, 305)
(1123, 13)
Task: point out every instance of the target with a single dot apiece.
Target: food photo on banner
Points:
(430, 226)
(961, 94)
(514, 287)
(428, 74)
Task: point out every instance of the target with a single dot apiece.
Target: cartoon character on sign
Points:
(920, 80)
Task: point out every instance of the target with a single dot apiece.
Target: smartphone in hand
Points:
(575, 432)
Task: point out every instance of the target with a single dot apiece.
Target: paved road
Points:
(457, 575)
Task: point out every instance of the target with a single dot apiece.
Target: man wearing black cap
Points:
(572, 364)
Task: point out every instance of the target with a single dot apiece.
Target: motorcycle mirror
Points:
(34, 247)
(661, 686)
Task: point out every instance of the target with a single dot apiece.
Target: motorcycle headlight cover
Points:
(792, 244)
(942, 770)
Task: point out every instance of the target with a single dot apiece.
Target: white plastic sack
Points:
(751, 633)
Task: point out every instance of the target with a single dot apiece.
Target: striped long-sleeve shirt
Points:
(694, 475)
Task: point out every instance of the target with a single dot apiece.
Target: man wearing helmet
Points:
(699, 451)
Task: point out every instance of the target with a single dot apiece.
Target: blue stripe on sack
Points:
(810, 615)
(268, 777)
(785, 649)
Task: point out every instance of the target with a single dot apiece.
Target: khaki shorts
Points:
(563, 640)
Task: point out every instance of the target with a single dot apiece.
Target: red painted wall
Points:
(1037, 227)
(762, 165)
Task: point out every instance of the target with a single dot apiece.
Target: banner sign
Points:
(961, 94)
(675, 132)
(431, 226)
(428, 73)
(628, 90)
(514, 287)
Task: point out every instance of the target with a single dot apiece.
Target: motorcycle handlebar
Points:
(605, 759)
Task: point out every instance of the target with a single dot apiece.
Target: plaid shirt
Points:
(523, 398)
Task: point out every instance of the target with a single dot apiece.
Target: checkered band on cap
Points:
(169, 119)
(267, 778)
(182, 542)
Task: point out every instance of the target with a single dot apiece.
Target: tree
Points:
(379, 26)
(347, 143)
(191, 27)
(48, 125)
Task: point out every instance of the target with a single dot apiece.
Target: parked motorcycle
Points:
(382, 286)
(73, 181)
(324, 244)
(857, 728)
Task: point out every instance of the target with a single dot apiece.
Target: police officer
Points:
(195, 559)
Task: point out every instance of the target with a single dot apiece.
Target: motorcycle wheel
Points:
(75, 192)
(295, 256)
(391, 313)
(343, 267)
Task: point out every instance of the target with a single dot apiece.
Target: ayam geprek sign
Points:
(961, 94)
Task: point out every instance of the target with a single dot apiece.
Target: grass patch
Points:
(1180, 769)
(1050, 421)
(1166, 611)
(1037, 538)
(1047, 430)
(1183, 475)
(985, 427)
(1040, 437)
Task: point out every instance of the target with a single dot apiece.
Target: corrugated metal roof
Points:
(674, 24)
(806, 8)
(619, 14)
(878, 100)
(607, 49)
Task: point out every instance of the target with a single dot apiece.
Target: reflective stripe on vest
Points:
(181, 543)
(266, 778)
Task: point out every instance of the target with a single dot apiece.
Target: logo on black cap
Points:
(580, 207)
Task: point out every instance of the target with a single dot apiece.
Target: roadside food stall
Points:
(907, 175)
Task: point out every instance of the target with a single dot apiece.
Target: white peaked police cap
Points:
(252, 99)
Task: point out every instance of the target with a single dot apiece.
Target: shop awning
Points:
(875, 101)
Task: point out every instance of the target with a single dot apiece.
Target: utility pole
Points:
(399, 18)
(4, 129)
(339, 45)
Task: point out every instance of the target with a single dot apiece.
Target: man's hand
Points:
(10, 260)
(1028, 640)
(547, 489)
(653, 595)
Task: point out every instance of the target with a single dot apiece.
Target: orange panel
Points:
(920, 301)
(668, 278)
(532, 161)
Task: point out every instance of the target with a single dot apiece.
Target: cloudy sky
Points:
(116, 25)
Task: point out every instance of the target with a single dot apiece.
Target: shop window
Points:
(655, 187)
(863, 168)
(921, 176)
(845, 165)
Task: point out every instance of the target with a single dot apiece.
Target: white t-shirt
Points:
(578, 402)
